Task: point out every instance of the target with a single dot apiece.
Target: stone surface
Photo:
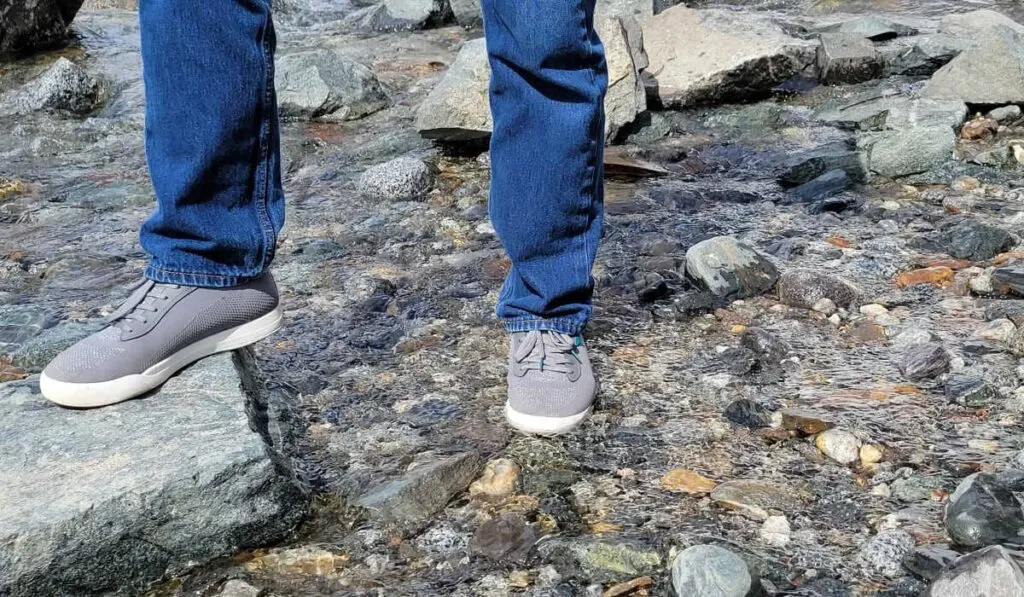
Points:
(626, 96)
(775, 531)
(822, 161)
(991, 72)
(467, 13)
(839, 445)
(998, 330)
(923, 361)
(984, 511)
(847, 58)
(729, 268)
(458, 109)
(323, 84)
(802, 288)
(405, 15)
(977, 241)
(115, 498)
(712, 56)
(883, 554)
(1009, 278)
(769, 348)
(498, 480)
(976, 24)
(238, 588)
(408, 501)
(64, 87)
(806, 421)
(600, 560)
(1006, 114)
(507, 538)
(822, 187)
(873, 27)
(921, 55)
(878, 112)
(970, 391)
(992, 572)
(711, 571)
(754, 499)
(35, 24)
(681, 480)
(930, 561)
(911, 151)
(401, 179)
(748, 413)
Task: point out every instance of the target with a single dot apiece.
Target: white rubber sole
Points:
(544, 425)
(105, 393)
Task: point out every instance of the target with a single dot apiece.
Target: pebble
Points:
(804, 288)
(775, 531)
(747, 413)
(686, 481)
(498, 480)
(825, 306)
(883, 554)
(729, 268)
(911, 336)
(806, 421)
(401, 179)
(873, 310)
(238, 588)
(999, 330)
(754, 499)
(923, 361)
(507, 538)
(839, 445)
(835, 319)
(711, 571)
(870, 455)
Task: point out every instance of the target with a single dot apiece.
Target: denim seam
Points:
(262, 195)
(559, 324)
(186, 272)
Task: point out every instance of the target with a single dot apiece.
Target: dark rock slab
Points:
(977, 241)
(930, 561)
(769, 348)
(822, 187)
(990, 572)
(970, 391)
(803, 288)
(729, 268)
(113, 499)
(847, 58)
(984, 511)
(747, 413)
(922, 55)
(1009, 279)
(1006, 309)
(34, 24)
(506, 538)
(823, 161)
(923, 361)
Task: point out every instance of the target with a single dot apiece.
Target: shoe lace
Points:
(547, 351)
(145, 298)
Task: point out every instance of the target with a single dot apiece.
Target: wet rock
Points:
(988, 73)
(747, 413)
(802, 288)
(712, 571)
(921, 55)
(410, 500)
(992, 572)
(839, 445)
(1006, 309)
(238, 588)
(999, 330)
(739, 360)
(823, 161)
(626, 96)
(935, 276)
(930, 561)
(20, 323)
(873, 27)
(823, 187)
(806, 421)
(729, 268)
(308, 560)
(984, 511)
(498, 480)
(924, 361)
(323, 84)
(727, 55)
(681, 480)
(979, 128)
(194, 482)
(976, 24)
(883, 554)
(754, 499)
(467, 13)
(64, 87)
(600, 561)
(880, 112)
(1009, 278)
(35, 24)
(507, 538)
(401, 179)
(911, 151)
(1006, 114)
(405, 15)
(974, 240)
(775, 531)
(847, 58)
(767, 346)
(458, 109)
(914, 488)
(970, 391)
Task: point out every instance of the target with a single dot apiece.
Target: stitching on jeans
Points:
(262, 182)
(203, 274)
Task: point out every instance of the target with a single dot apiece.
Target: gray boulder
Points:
(626, 96)
(400, 179)
(729, 268)
(458, 109)
(990, 572)
(404, 15)
(712, 571)
(34, 24)
(467, 13)
(984, 510)
(802, 288)
(921, 55)
(911, 151)
(113, 499)
(64, 87)
(973, 26)
(991, 72)
(872, 27)
(847, 58)
(712, 56)
(323, 84)
(974, 240)
(876, 112)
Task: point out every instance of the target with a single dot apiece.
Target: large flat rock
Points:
(113, 499)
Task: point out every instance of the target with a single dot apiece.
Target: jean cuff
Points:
(164, 275)
(563, 326)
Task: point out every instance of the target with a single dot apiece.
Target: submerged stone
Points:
(976, 241)
(754, 499)
(729, 268)
(507, 538)
(923, 361)
(803, 288)
(984, 511)
(712, 571)
(823, 161)
(823, 187)
(883, 554)
(991, 572)
(847, 58)
(930, 561)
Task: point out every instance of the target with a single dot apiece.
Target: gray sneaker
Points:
(551, 385)
(159, 330)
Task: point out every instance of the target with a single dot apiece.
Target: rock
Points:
(747, 413)
(883, 554)
(875, 28)
(976, 24)
(1006, 114)
(984, 511)
(308, 560)
(915, 489)
(600, 561)
(498, 480)
(21, 323)
(729, 268)
(839, 445)
(458, 109)
(923, 361)
(802, 288)
(805, 421)
(739, 360)
(401, 179)
(767, 346)
(680, 480)
(323, 84)
(35, 24)
(870, 455)
(878, 112)
(467, 13)
(936, 276)
(817, 163)
(725, 55)
(1012, 310)
(824, 306)
(930, 561)
(970, 391)
(979, 128)
(754, 499)
(1009, 278)
(911, 336)
(407, 502)
(823, 187)
(976, 241)
(775, 531)
(999, 330)
(921, 55)
(847, 58)
(238, 588)
(626, 96)
(507, 538)
(405, 15)
(151, 487)
(990, 73)
(992, 572)
(912, 151)
(712, 571)
(65, 87)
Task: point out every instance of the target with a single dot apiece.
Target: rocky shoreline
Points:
(806, 321)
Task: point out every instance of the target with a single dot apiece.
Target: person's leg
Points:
(212, 145)
(548, 80)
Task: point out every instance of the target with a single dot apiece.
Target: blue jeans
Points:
(214, 157)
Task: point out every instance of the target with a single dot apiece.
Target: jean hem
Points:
(563, 326)
(200, 279)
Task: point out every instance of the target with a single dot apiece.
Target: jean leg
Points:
(211, 140)
(548, 80)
